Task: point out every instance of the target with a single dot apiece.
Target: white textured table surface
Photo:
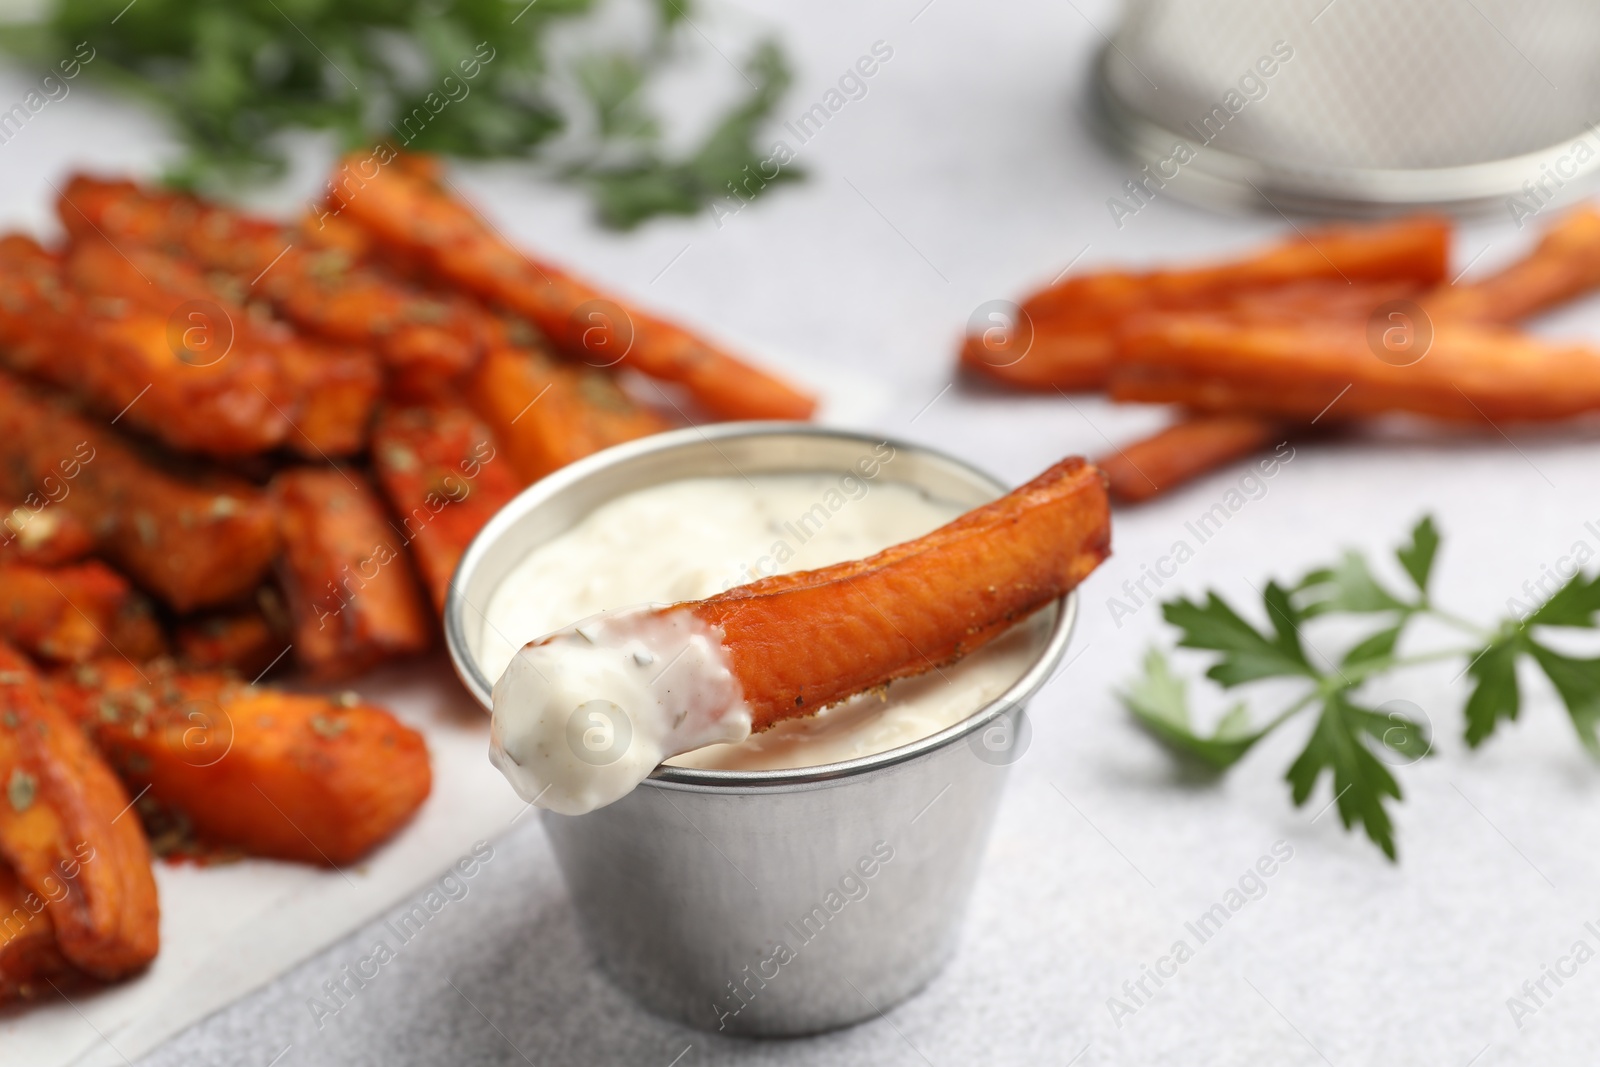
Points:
(966, 174)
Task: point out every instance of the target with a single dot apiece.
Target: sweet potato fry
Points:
(326, 231)
(799, 642)
(1074, 360)
(546, 415)
(286, 775)
(1075, 323)
(1414, 250)
(1319, 300)
(192, 543)
(245, 640)
(63, 831)
(1183, 451)
(442, 472)
(29, 959)
(409, 212)
(33, 532)
(425, 339)
(1470, 372)
(329, 390)
(350, 589)
(76, 613)
(122, 358)
(788, 646)
(1564, 264)
(1200, 443)
(337, 388)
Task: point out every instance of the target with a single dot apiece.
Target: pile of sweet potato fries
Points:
(1338, 325)
(230, 445)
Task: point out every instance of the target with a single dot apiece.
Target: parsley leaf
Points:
(613, 84)
(1417, 557)
(1405, 736)
(1376, 647)
(727, 167)
(1247, 653)
(1159, 702)
(1360, 781)
(1496, 695)
(480, 79)
(1286, 619)
(1352, 742)
(1349, 586)
(1578, 683)
(1574, 604)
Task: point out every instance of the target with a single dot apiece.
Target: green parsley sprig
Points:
(1349, 737)
(233, 75)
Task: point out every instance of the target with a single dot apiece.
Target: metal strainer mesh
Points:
(1370, 86)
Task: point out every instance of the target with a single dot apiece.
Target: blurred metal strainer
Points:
(1357, 105)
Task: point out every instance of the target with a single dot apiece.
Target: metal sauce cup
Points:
(775, 902)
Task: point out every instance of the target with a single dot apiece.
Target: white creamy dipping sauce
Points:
(687, 540)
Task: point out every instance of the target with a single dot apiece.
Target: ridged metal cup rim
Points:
(464, 660)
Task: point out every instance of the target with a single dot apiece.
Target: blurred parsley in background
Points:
(233, 74)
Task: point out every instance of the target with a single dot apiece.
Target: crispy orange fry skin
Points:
(407, 211)
(1201, 443)
(351, 591)
(337, 390)
(34, 532)
(192, 544)
(285, 775)
(1300, 301)
(799, 642)
(424, 339)
(1414, 249)
(1564, 264)
(1075, 323)
(329, 390)
(75, 613)
(326, 231)
(62, 832)
(547, 415)
(29, 958)
(1073, 360)
(1469, 374)
(444, 476)
(245, 641)
(120, 357)
(1183, 451)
